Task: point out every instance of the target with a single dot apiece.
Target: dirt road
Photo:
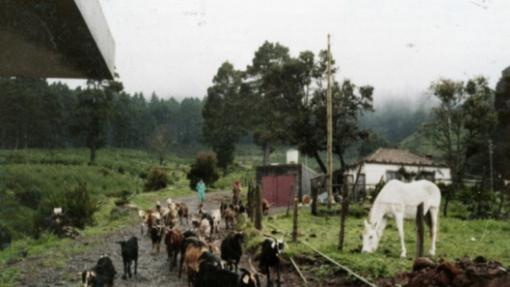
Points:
(153, 270)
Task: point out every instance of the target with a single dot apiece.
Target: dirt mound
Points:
(462, 273)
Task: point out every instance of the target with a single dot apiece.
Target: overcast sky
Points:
(174, 47)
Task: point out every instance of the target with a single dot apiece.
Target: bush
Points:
(205, 167)
(79, 206)
(5, 237)
(156, 180)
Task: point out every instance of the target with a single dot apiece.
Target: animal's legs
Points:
(434, 212)
(399, 218)
(269, 283)
(278, 274)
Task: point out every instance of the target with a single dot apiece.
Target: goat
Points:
(211, 221)
(211, 274)
(203, 226)
(229, 215)
(156, 235)
(216, 216)
(171, 216)
(129, 251)
(194, 251)
(182, 211)
(189, 241)
(265, 206)
(173, 240)
(232, 249)
(269, 258)
(102, 275)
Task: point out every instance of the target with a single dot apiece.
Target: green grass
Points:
(457, 238)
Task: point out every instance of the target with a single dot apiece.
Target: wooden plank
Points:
(345, 268)
(298, 271)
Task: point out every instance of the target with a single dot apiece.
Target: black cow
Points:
(102, 275)
(269, 258)
(232, 249)
(129, 251)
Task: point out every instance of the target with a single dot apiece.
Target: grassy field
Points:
(33, 179)
(457, 238)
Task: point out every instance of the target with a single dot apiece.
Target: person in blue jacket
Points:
(201, 188)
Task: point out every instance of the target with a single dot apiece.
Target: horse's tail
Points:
(428, 221)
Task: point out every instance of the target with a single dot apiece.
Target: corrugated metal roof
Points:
(400, 157)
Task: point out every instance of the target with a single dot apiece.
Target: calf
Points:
(102, 275)
(173, 240)
(270, 258)
(129, 251)
(232, 249)
(183, 212)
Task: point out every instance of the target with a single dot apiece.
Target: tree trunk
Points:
(320, 162)
(267, 152)
(92, 154)
(161, 159)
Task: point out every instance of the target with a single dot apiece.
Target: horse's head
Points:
(370, 238)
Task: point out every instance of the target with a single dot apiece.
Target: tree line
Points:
(38, 114)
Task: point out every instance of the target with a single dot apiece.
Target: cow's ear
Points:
(246, 279)
(273, 244)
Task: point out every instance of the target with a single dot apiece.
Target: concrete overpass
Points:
(55, 39)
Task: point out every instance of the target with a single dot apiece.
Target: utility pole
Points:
(329, 128)
(491, 170)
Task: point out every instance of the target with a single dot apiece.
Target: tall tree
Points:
(159, 142)
(92, 113)
(224, 122)
(502, 134)
(446, 129)
(264, 78)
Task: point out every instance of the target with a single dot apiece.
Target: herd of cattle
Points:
(208, 260)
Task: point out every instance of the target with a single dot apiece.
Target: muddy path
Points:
(153, 270)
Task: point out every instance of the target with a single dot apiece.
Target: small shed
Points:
(280, 183)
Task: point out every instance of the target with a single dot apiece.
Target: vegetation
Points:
(36, 114)
(457, 238)
(281, 100)
(204, 168)
(157, 179)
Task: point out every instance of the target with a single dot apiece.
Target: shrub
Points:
(79, 206)
(5, 237)
(156, 180)
(205, 167)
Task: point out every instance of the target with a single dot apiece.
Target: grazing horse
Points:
(400, 200)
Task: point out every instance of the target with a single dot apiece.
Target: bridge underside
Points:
(55, 39)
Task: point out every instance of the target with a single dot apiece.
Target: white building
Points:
(387, 164)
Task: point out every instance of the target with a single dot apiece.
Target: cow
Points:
(102, 275)
(232, 249)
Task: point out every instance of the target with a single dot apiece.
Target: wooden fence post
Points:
(343, 212)
(258, 208)
(419, 231)
(315, 193)
(250, 201)
(295, 220)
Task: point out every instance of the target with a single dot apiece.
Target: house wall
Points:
(374, 171)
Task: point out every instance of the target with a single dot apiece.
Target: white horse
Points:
(400, 200)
